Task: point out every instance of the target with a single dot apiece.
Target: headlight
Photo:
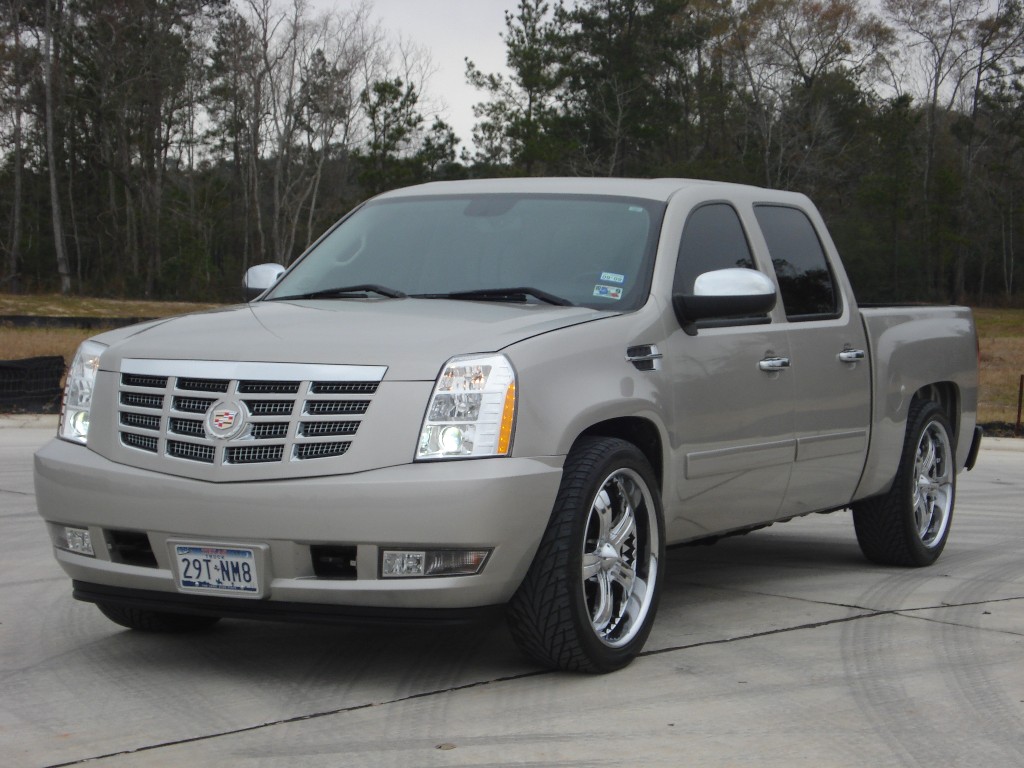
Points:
(74, 416)
(472, 409)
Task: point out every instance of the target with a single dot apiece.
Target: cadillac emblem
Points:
(225, 419)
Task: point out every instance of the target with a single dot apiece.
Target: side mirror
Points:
(735, 292)
(260, 278)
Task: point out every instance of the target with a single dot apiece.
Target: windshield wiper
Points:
(500, 294)
(347, 292)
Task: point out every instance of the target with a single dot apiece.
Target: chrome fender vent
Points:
(644, 357)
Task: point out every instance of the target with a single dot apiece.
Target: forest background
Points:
(157, 148)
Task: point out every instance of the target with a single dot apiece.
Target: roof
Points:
(652, 189)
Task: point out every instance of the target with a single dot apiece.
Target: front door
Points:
(732, 438)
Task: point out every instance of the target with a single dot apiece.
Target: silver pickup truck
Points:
(506, 393)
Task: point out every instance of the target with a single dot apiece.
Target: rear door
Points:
(829, 364)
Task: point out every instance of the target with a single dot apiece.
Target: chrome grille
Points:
(253, 454)
(269, 407)
(268, 387)
(344, 388)
(329, 407)
(270, 431)
(192, 427)
(191, 404)
(142, 442)
(327, 428)
(141, 420)
(144, 381)
(191, 451)
(320, 450)
(204, 385)
(232, 420)
(141, 400)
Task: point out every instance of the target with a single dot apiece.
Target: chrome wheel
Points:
(619, 557)
(933, 484)
(909, 524)
(590, 596)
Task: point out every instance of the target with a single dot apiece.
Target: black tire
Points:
(155, 621)
(909, 525)
(589, 599)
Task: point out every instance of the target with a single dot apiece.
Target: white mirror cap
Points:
(736, 281)
(262, 276)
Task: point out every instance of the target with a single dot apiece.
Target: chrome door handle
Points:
(851, 355)
(771, 364)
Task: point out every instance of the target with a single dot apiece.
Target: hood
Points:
(412, 337)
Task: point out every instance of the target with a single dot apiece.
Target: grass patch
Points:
(19, 343)
(55, 305)
(999, 323)
(1001, 337)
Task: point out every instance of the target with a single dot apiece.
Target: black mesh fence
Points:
(34, 384)
(31, 384)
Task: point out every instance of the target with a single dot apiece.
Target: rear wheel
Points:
(589, 599)
(155, 621)
(909, 525)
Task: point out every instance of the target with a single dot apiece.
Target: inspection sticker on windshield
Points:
(612, 277)
(608, 291)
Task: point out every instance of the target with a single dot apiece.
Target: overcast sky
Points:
(452, 31)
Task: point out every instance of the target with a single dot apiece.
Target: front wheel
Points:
(589, 599)
(909, 525)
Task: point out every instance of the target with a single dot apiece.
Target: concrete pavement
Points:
(782, 648)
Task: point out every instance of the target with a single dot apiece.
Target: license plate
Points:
(221, 569)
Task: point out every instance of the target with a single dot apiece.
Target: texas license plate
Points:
(220, 569)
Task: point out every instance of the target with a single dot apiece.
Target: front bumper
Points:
(501, 504)
(276, 610)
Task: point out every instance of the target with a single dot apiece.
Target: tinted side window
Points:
(712, 239)
(805, 280)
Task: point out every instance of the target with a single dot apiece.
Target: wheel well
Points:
(641, 433)
(946, 394)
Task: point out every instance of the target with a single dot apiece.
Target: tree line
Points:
(159, 147)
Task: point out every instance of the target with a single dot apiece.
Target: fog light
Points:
(398, 564)
(71, 539)
(401, 563)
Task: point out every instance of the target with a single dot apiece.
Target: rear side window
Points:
(712, 239)
(805, 280)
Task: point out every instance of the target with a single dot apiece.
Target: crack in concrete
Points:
(300, 718)
(947, 623)
(869, 614)
(17, 493)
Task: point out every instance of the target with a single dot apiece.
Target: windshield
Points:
(581, 250)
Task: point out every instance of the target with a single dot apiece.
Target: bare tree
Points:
(299, 87)
(937, 36)
(782, 50)
(15, 63)
(950, 48)
(997, 39)
(60, 250)
(329, 98)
